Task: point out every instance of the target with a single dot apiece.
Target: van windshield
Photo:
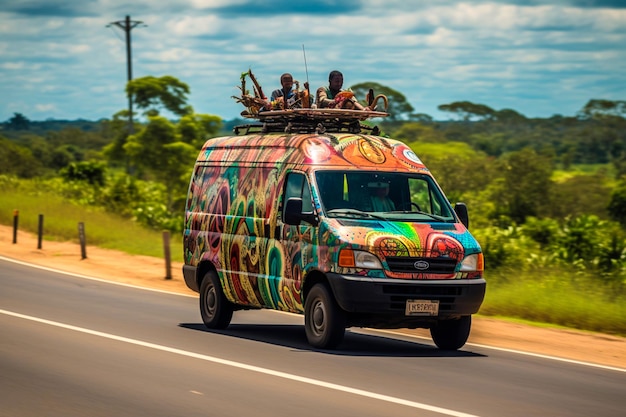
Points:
(382, 195)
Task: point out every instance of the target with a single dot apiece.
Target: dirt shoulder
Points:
(150, 272)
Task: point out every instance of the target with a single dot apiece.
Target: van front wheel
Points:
(215, 309)
(451, 334)
(324, 321)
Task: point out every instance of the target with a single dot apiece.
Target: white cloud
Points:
(194, 25)
(13, 65)
(526, 57)
(46, 107)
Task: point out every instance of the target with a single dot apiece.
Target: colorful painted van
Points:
(345, 227)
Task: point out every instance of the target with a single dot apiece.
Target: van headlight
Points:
(349, 258)
(472, 263)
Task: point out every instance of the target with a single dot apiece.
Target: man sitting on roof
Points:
(334, 97)
(278, 95)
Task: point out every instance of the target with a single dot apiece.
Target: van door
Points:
(299, 243)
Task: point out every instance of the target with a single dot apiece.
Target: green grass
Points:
(424, 150)
(607, 170)
(553, 296)
(102, 229)
(560, 298)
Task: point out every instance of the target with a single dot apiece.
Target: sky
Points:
(59, 60)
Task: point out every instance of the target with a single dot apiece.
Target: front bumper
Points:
(371, 300)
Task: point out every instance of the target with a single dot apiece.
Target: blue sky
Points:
(59, 60)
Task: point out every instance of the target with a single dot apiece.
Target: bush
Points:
(617, 204)
(93, 173)
(583, 244)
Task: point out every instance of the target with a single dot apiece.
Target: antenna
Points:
(306, 69)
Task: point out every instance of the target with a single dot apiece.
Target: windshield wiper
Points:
(355, 212)
(432, 216)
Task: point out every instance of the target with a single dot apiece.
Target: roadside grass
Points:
(607, 171)
(425, 149)
(557, 297)
(552, 295)
(102, 229)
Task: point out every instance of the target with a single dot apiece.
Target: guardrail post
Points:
(40, 231)
(166, 252)
(82, 240)
(16, 216)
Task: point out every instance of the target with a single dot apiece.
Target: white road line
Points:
(72, 274)
(519, 352)
(244, 366)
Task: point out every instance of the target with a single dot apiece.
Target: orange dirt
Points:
(150, 272)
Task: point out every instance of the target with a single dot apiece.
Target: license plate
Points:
(422, 307)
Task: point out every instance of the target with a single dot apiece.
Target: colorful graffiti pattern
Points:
(262, 262)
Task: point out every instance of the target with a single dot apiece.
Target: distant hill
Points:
(10, 129)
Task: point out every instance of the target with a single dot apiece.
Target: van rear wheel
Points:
(451, 334)
(324, 320)
(215, 309)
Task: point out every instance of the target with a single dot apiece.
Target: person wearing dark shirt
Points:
(278, 96)
(334, 97)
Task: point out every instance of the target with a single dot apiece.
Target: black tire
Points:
(324, 320)
(451, 334)
(215, 309)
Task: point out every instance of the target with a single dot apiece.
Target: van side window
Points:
(426, 198)
(298, 186)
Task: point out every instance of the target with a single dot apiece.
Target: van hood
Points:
(392, 238)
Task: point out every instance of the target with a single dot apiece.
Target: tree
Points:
(421, 118)
(194, 129)
(399, 108)
(150, 93)
(509, 116)
(114, 151)
(491, 144)
(466, 110)
(526, 185)
(91, 172)
(578, 195)
(19, 122)
(159, 151)
(620, 165)
(417, 132)
(18, 160)
(617, 204)
(62, 156)
(598, 107)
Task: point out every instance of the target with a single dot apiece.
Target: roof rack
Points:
(311, 120)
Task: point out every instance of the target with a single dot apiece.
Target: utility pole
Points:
(127, 25)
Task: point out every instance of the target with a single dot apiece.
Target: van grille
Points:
(446, 294)
(408, 264)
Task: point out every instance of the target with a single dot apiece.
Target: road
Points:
(70, 346)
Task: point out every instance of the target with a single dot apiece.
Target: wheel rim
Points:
(318, 318)
(210, 302)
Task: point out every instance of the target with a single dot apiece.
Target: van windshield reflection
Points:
(382, 195)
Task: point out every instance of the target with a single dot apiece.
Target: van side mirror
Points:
(293, 214)
(461, 211)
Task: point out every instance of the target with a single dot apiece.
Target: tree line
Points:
(547, 196)
(500, 161)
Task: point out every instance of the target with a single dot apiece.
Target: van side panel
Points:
(231, 222)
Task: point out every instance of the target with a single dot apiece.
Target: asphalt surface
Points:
(76, 347)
